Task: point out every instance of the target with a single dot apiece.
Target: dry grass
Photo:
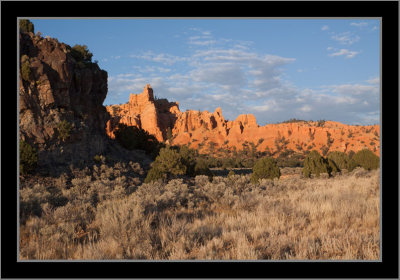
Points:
(229, 218)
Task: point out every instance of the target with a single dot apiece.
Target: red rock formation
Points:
(143, 111)
(199, 129)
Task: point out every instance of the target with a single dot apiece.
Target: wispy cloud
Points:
(166, 59)
(359, 24)
(376, 80)
(325, 27)
(346, 38)
(344, 52)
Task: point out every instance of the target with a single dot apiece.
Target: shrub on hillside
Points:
(27, 157)
(81, 53)
(265, 168)
(25, 25)
(315, 164)
(366, 159)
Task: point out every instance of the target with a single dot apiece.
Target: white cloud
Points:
(325, 27)
(167, 59)
(346, 38)
(345, 52)
(376, 80)
(239, 80)
(306, 108)
(359, 24)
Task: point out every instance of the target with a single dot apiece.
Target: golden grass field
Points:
(107, 215)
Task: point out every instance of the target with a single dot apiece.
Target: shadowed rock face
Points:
(60, 88)
(199, 129)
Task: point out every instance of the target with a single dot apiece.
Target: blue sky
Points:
(277, 69)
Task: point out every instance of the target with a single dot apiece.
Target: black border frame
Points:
(387, 268)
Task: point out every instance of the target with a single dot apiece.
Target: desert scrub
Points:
(227, 218)
(28, 158)
(366, 159)
(315, 164)
(265, 168)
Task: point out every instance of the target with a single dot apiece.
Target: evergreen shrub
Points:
(265, 168)
(366, 159)
(315, 164)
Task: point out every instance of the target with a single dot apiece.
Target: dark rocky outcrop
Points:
(57, 88)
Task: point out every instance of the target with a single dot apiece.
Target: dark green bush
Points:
(333, 168)
(168, 164)
(27, 157)
(26, 25)
(201, 168)
(188, 158)
(64, 130)
(366, 159)
(155, 173)
(81, 53)
(315, 164)
(342, 160)
(265, 168)
(132, 137)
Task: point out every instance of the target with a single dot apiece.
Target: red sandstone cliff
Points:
(204, 129)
